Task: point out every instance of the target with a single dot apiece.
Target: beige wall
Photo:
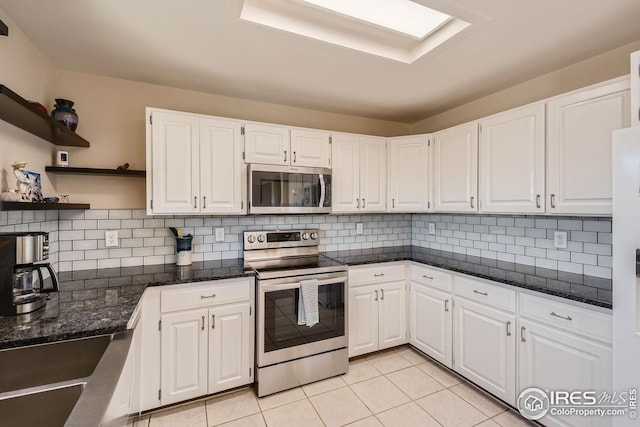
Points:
(608, 65)
(111, 116)
(27, 72)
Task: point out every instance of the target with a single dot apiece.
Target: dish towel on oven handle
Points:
(308, 303)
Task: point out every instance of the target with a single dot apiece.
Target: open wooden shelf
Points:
(95, 171)
(26, 206)
(16, 110)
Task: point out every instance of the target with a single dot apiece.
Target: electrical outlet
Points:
(560, 239)
(111, 238)
(432, 228)
(359, 228)
(220, 234)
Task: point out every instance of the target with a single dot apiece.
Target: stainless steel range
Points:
(289, 352)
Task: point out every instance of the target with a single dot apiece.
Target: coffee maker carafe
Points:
(22, 283)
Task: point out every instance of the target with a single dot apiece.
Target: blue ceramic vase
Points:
(65, 114)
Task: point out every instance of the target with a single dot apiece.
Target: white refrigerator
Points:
(626, 285)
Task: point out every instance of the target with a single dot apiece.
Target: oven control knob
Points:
(305, 236)
(260, 238)
(314, 235)
(251, 238)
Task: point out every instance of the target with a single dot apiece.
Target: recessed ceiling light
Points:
(403, 16)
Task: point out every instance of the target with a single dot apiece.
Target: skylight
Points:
(403, 16)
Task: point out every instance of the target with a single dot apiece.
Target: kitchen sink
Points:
(37, 365)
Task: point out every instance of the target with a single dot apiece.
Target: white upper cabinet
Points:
(280, 145)
(194, 164)
(223, 177)
(455, 169)
(268, 144)
(358, 173)
(310, 148)
(409, 174)
(512, 161)
(579, 147)
(172, 151)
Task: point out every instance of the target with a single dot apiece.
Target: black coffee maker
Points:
(22, 284)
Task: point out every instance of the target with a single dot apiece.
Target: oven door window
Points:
(291, 190)
(281, 328)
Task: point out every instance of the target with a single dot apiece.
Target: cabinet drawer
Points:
(204, 294)
(568, 317)
(496, 296)
(430, 277)
(377, 273)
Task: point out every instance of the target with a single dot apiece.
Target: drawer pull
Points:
(427, 277)
(475, 291)
(522, 338)
(207, 296)
(509, 328)
(376, 295)
(382, 294)
(553, 313)
(378, 275)
(446, 305)
(202, 323)
(213, 321)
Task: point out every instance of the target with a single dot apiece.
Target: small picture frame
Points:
(33, 189)
(62, 158)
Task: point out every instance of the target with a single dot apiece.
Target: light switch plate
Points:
(220, 234)
(560, 239)
(432, 228)
(359, 228)
(111, 238)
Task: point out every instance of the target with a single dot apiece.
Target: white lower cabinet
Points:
(484, 347)
(198, 339)
(377, 311)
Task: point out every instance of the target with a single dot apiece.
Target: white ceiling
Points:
(203, 45)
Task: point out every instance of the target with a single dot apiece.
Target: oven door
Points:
(280, 338)
(286, 189)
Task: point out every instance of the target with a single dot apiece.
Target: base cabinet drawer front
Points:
(208, 293)
(554, 360)
(485, 348)
(377, 273)
(184, 356)
(363, 320)
(496, 296)
(569, 317)
(431, 277)
(430, 316)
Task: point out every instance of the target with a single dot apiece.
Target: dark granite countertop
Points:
(97, 302)
(587, 289)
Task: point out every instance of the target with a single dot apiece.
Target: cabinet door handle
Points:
(207, 296)
(378, 275)
(382, 294)
(204, 202)
(393, 203)
(522, 338)
(554, 314)
(358, 202)
(294, 157)
(537, 200)
(376, 291)
(363, 203)
(195, 202)
(471, 201)
(509, 329)
(553, 201)
(285, 155)
(213, 321)
(427, 277)
(446, 305)
(202, 323)
(475, 291)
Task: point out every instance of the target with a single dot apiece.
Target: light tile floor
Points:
(398, 387)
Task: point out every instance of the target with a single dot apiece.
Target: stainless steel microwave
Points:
(289, 189)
